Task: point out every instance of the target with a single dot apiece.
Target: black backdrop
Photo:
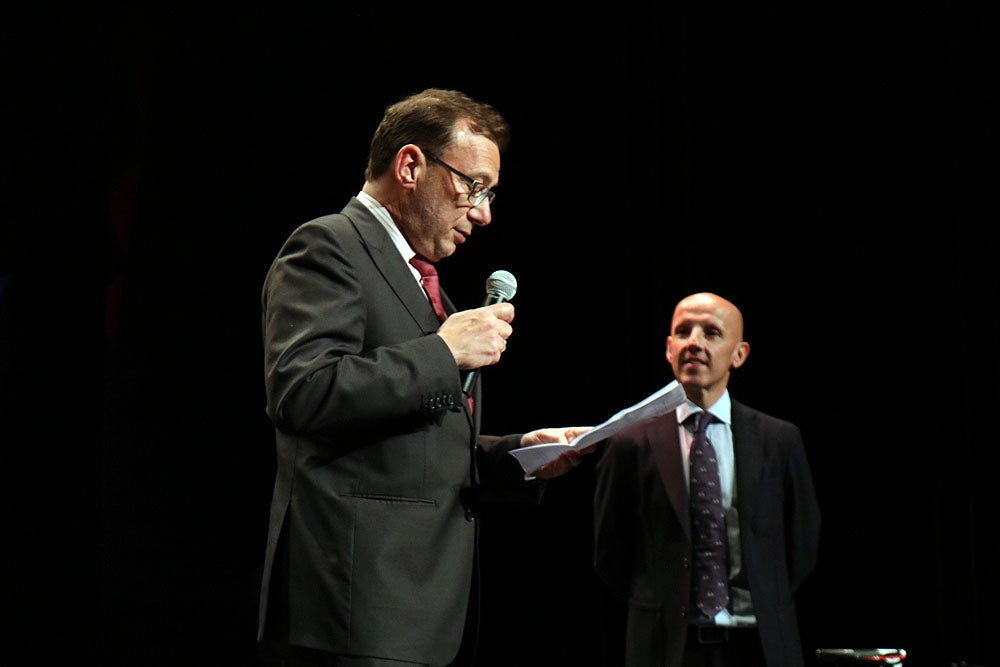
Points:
(829, 169)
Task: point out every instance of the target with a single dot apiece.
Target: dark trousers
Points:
(715, 646)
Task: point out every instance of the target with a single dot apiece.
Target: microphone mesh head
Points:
(502, 283)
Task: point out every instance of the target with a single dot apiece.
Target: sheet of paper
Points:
(664, 400)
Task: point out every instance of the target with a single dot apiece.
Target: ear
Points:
(740, 354)
(408, 165)
(670, 355)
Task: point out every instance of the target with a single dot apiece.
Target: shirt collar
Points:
(722, 409)
(382, 215)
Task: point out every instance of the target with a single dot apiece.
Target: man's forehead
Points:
(700, 311)
(700, 316)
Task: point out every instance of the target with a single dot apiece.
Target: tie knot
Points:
(703, 419)
(429, 280)
(425, 267)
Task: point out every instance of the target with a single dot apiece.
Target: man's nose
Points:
(481, 215)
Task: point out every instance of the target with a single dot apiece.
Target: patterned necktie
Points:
(708, 524)
(429, 279)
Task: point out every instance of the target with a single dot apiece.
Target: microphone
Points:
(500, 286)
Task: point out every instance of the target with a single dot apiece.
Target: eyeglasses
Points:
(478, 193)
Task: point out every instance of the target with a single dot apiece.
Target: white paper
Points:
(666, 399)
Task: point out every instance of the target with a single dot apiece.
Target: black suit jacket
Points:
(370, 545)
(642, 532)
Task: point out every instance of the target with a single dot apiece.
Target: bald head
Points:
(705, 344)
(708, 303)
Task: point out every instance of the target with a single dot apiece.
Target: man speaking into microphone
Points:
(372, 537)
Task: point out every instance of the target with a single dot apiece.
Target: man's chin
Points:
(692, 381)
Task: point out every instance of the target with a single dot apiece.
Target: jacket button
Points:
(470, 515)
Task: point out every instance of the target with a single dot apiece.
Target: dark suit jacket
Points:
(370, 547)
(642, 532)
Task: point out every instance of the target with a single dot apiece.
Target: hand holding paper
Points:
(668, 398)
(567, 459)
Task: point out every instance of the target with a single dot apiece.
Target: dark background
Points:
(830, 169)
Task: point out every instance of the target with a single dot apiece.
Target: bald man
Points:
(642, 527)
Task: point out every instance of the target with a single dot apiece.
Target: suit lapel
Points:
(665, 445)
(396, 272)
(392, 267)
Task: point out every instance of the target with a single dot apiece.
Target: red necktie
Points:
(429, 279)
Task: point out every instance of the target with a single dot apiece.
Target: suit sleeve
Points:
(501, 477)
(803, 515)
(328, 367)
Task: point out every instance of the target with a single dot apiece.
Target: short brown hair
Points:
(428, 119)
